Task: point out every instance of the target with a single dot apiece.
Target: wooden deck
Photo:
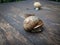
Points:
(11, 24)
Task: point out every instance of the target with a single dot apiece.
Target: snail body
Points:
(31, 23)
(37, 5)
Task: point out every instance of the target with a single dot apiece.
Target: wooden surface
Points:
(11, 23)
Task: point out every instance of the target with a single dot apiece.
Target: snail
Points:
(32, 22)
(37, 5)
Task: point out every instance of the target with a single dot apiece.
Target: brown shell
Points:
(37, 4)
(32, 22)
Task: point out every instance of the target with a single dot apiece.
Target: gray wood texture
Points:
(11, 23)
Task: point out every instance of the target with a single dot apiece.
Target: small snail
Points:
(37, 5)
(32, 22)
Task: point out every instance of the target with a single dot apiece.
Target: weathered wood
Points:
(11, 35)
(11, 24)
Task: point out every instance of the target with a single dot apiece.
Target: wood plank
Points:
(10, 36)
(49, 14)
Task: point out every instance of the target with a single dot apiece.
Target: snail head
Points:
(27, 15)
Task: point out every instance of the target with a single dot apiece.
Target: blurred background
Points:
(6, 1)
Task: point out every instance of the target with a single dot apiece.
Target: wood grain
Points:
(11, 24)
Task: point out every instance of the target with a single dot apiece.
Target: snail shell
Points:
(32, 22)
(37, 5)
